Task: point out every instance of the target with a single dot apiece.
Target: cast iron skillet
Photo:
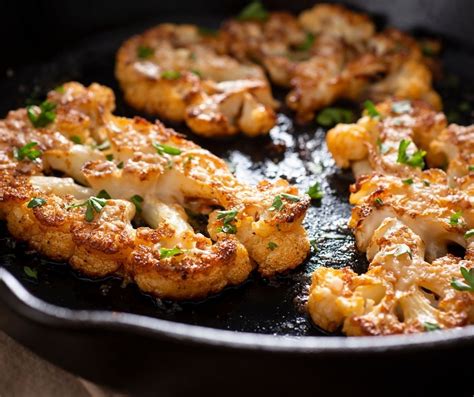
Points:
(255, 337)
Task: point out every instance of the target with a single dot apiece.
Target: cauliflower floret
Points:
(400, 293)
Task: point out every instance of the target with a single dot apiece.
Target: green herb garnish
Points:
(468, 276)
(255, 11)
(454, 218)
(137, 201)
(431, 326)
(332, 116)
(42, 115)
(271, 245)
(27, 151)
(278, 203)
(171, 74)
(76, 139)
(31, 273)
(378, 201)
(469, 234)
(227, 217)
(313, 244)
(104, 195)
(162, 149)
(408, 181)
(315, 192)
(307, 43)
(103, 146)
(60, 89)
(120, 165)
(402, 249)
(170, 252)
(144, 52)
(415, 160)
(371, 109)
(93, 206)
(36, 202)
(109, 157)
(470, 168)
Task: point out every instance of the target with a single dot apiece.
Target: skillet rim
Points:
(15, 295)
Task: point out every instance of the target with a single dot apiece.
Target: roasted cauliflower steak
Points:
(180, 73)
(115, 196)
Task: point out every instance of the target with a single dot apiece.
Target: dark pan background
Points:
(48, 42)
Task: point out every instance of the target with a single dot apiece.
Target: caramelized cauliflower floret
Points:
(130, 170)
(176, 72)
(400, 293)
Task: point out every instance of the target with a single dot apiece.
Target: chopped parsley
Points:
(378, 201)
(271, 245)
(144, 52)
(42, 115)
(93, 206)
(76, 139)
(227, 217)
(469, 234)
(371, 109)
(109, 157)
(171, 74)
(36, 202)
(137, 201)
(60, 89)
(470, 168)
(104, 195)
(31, 273)
(426, 183)
(278, 203)
(468, 285)
(170, 252)
(307, 43)
(401, 107)
(120, 165)
(315, 192)
(408, 181)
(27, 151)
(332, 116)
(415, 160)
(162, 149)
(431, 326)
(454, 218)
(255, 11)
(313, 244)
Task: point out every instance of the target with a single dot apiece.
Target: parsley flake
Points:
(227, 217)
(278, 203)
(36, 202)
(315, 192)
(76, 139)
(144, 52)
(470, 168)
(271, 245)
(307, 43)
(371, 109)
(170, 252)
(469, 234)
(415, 160)
(27, 151)
(103, 195)
(468, 285)
(171, 75)
(408, 181)
(431, 326)
(162, 149)
(137, 201)
(31, 273)
(454, 218)
(93, 206)
(42, 115)
(255, 11)
(378, 201)
(331, 116)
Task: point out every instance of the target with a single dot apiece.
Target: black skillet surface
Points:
(97, 347)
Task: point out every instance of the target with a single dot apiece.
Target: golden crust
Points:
(151, 173)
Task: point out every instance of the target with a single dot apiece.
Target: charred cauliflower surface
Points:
(179, 73)
(405, 219)
(119, 174)
(329, 52)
